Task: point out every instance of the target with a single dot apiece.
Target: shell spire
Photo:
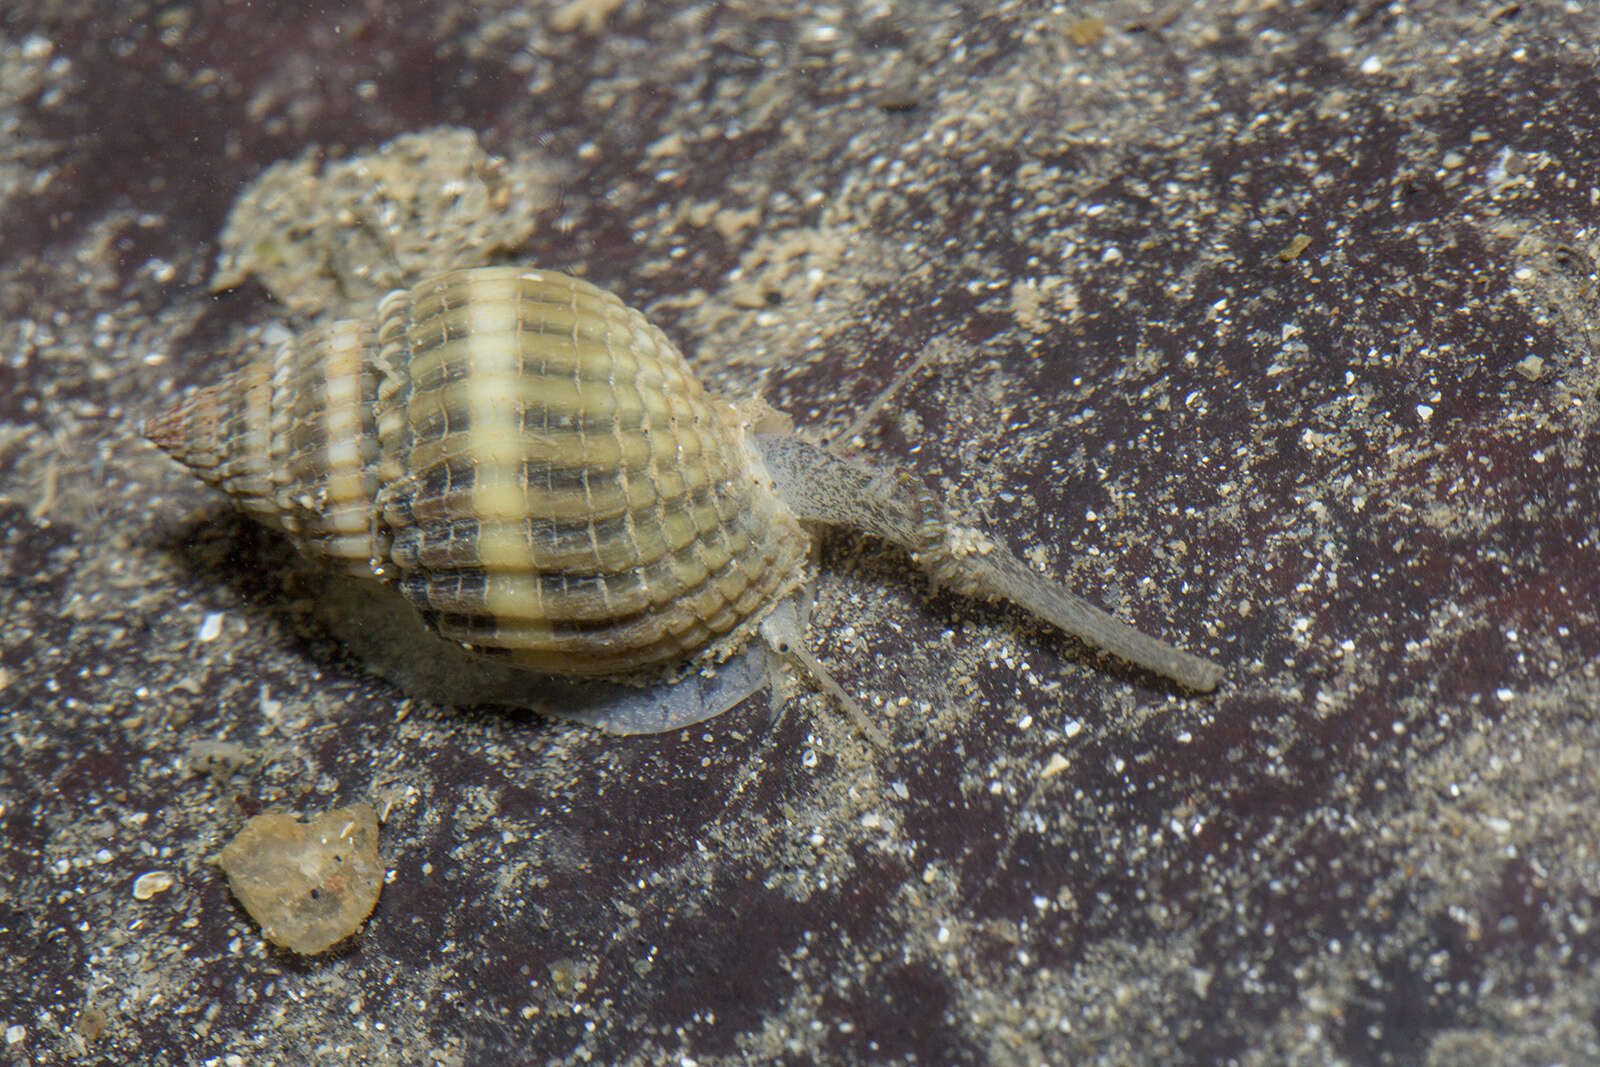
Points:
(219, 433)
(190, 431)
(291, 438)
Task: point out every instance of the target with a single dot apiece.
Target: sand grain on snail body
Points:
(536, 470)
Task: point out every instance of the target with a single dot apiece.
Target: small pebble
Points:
(150, 883)
(221, 758)
(91, 1023)
(1087, 31)
(1530, 367)
(211, 626)
(1297, 244)
(308, 885)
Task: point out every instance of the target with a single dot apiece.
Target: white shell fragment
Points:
(150, 883)
(210, 627)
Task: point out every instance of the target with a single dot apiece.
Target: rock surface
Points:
(1270, 326)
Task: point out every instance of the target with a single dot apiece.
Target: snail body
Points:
(534, 467)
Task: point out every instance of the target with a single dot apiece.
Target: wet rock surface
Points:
(1270, 327)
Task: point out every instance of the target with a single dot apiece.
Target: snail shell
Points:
(534, 467)
(529, 460)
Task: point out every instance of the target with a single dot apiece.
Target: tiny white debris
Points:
(1073, 728)
(276, 333)
(150, 883)
(1055, 766)
(1371, 65)
(211, 626)
(1424, 412)
(1504, 695)
(871, 821)
(16, 1033)
(1530, 367)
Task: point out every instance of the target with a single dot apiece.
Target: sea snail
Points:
(536, 470)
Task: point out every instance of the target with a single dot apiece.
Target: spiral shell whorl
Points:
(571, 494)
(527, 458)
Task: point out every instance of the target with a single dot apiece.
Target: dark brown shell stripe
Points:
(559, 486)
